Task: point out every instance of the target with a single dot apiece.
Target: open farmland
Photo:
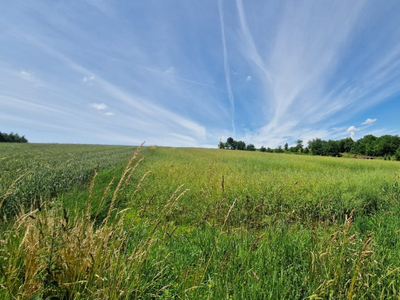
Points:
(245, 225)
(47, 170)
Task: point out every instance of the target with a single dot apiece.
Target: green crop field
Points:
(95, 222)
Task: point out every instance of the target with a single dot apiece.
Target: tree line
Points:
(12, 138)
(232, 144)
(387, 146)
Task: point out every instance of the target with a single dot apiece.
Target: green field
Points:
(85, 222)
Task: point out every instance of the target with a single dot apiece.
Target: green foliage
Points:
(316, 146)
(279, 150)
(236, 145)
(250, 147)
(263, 149)
(12, 138)
(325, 148)
(231, 143)
(299, 146)
(346, 145)
(241, 145)
(377, 146)
(286, 147)
(397, 154)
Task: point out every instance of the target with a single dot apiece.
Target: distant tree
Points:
(250, 147)
(306, 150)
(221, 145)
(286, 147)
(316, 146)
(279, 149)
(235, 143)
(397, 154)
(366, 145)
(230, 143)
(386, 145)
(12, 138)
(269, 150)
(331, 148)
(299, 146)
(241, 145)
(263, 149)
(345, 145)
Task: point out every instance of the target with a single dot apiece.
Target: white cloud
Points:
(108, 113)
(248, 78)
(352, 129)
(369, 122)
(99, 106)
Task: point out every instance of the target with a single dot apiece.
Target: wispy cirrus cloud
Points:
(31, 78)
(226, 66)
(309, 70)
(183, 74)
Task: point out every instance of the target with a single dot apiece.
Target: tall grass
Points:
(252, 226)
(46, 254)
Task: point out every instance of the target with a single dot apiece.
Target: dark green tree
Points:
(345, 145)
(250, 147)
(241, 145)
(279, 149)
(230, 142)
(397, 154)
(316, 146)
(299, 146)
(12, 138)
(331, 148)
(2, 138)
(286, 147)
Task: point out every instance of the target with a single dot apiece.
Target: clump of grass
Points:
(340, 264)
(47, 254)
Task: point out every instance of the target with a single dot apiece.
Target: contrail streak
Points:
(226, 67)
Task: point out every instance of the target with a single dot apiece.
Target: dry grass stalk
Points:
(104, 196)
(132, 170)
(122, 179)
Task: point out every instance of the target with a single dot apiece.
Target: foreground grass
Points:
(251, 226)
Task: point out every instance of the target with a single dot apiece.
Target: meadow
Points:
(95, 222)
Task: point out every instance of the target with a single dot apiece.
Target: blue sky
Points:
(187, 73)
